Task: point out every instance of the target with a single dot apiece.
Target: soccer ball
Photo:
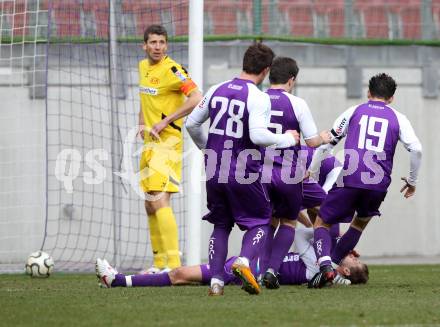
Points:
(39, 264)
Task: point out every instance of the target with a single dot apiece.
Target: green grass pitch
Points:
(395, 295)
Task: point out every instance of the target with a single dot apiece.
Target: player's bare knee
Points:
(274, 222)
(320, 223)
(149, 208)
(175, 276)
(360, 223)
(288, 222)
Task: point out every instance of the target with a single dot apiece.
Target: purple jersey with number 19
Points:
(372, 136)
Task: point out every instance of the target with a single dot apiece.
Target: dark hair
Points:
(283, 69)
(155, 29)
(257, 58)
(358, 274)
(382, 86)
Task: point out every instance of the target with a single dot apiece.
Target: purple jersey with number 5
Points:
(282, 118)
(372, 135)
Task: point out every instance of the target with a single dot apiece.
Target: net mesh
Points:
(105, 218)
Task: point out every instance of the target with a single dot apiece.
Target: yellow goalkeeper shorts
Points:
(161, 165)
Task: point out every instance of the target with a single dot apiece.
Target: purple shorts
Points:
(313, 195)
(230, 279)
(343, 202)
(286, 199)
(247, 205)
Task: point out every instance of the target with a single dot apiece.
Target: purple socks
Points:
(267, 250)
(347, 243)
(253, 242)
(281, 244)
(142, 280)
(322, 245)
(218, 250)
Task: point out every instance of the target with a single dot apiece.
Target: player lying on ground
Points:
(313, 194)
(296, 269)
(372, 131)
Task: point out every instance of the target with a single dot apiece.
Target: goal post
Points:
(193, 197)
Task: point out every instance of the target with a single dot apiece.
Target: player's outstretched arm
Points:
(411, 143)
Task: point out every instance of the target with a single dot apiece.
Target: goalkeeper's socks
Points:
(282, 241)
(159, 254)
(322, 244)
(169, 235)
(347, 243)
(141, 280)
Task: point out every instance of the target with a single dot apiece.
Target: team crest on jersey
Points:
(148, 90)
(154, 80)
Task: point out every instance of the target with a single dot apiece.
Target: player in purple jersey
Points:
(282, 171)
(372, 131)
(315, 193)
(297, 268)
(239, 115)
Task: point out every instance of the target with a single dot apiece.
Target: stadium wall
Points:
(331, 79)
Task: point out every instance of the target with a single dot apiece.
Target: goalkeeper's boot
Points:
(240, 269)
(105, 273)
(216, 289)
(270, 279)
(323, 278)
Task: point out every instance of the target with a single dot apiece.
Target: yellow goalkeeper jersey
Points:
(162, 89)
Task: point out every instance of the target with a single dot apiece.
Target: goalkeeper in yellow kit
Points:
(163, 86)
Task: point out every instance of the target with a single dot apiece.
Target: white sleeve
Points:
(319, 155)
(303, 246)
(412, 144)
(303, 236)
(340, 126)
(331, 178)
(197, 117)
(338, 132)
(303, 114)
(259, 115)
